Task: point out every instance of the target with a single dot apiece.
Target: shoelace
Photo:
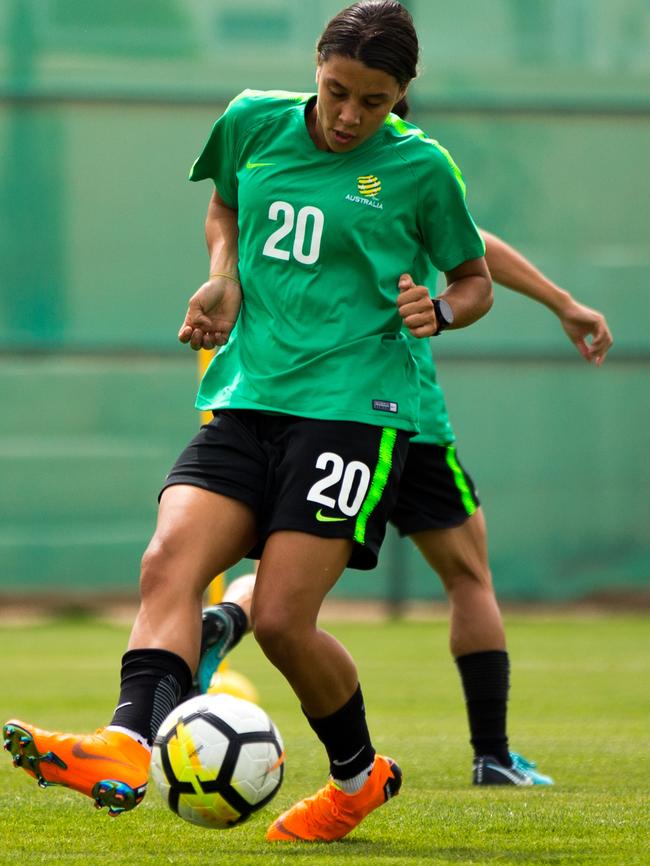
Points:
(325, 805)
(322, 809)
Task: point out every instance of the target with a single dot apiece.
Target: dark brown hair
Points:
(402, 108)
(379, 33)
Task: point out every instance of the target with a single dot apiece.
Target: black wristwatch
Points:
(444, 314)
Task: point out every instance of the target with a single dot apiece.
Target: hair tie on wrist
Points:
(227, 276)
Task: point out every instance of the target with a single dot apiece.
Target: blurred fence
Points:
(545, 104)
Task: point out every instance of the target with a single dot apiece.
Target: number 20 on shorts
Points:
(354, 479)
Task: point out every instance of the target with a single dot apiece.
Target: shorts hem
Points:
(425, 525)
(231, 493)
(364, 557)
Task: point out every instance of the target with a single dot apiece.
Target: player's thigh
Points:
(210, 503)
(198, 535)
(198, 531)
(459, 553)
(296, 572)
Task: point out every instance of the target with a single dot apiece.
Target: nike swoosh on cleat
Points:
(79, 752)
(325, 519)
(279, 825)
(515, 778)
(258, 164)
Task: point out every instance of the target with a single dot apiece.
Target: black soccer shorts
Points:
(334, 479)
(435, 492)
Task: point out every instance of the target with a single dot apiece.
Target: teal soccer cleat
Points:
(217, 634)
(489, 771)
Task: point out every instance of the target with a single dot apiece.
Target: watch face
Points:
(446, 311)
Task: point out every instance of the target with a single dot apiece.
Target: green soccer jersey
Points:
(435, 426)
(323, 239)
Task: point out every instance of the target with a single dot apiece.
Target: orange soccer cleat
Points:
(331, 814)
(108, 766)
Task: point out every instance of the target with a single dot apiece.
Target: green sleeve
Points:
(218, 159)
(448, 231)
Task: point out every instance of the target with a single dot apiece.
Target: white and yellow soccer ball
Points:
(217, 759)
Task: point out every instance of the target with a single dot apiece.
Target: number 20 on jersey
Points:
(302, 232)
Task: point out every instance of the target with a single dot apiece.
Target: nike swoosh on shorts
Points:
(325, 519)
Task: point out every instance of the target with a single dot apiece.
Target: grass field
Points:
(580, 707)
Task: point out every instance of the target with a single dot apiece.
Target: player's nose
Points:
(349, 115)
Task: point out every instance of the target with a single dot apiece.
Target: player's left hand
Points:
(579, 323)
(416, 307)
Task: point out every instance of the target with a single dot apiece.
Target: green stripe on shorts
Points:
(469, 503)
(378, 483)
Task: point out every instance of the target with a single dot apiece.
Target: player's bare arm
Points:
(468, 292)
(586, 328)
(213, 309)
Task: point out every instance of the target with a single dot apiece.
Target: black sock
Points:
(152, 683)
(239, 623)
(486, 680)
(345, 736)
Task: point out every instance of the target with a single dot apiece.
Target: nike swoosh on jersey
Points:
(258, 164)
(325, 519)
(79, 752)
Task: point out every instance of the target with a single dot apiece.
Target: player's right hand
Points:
(416, 307)
(211, 314)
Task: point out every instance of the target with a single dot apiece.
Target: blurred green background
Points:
(545, 104)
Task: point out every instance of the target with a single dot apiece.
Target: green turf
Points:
(579, 706)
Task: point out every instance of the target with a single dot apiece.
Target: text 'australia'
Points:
(357, 199)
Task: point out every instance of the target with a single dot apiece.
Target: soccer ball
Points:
(217, 759)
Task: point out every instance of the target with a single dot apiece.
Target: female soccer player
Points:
(438, 508)
(338, 209)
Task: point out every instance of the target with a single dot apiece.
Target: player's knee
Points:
(270, 634)
(467, 577)
(275, 634)
(154, 569)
